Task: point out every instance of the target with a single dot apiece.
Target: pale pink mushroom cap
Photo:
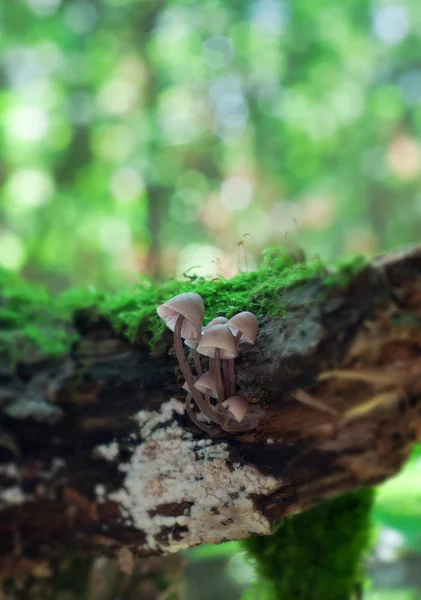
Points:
(216, 321)
(191, 306)
(218, 336)
(185, 387)
(237, 406)
(247, 323)
(207, 382)
(191, 343)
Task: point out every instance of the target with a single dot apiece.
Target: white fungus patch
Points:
(9, 470)
(52, 470)
(148, 421)
(171, 467)
(108, 451)
(12, 496)
(100, 492)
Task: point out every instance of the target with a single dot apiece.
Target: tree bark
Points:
(97, 453)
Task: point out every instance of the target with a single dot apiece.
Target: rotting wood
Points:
(97, 453)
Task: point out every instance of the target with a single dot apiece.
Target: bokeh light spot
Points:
(270, 16)
(391, 23)
(179, 116)
(318, 212)
(404, 157)
(30, 187)
(126, 184)
(115, 235)
(28, 123)
(410, 84)
(230, 106)
(114, 143)
(12, 251)
(81, 16)
(205, 258)
(360, 238)
(218, 52)
(44, 8)
(118, 96)
(236, 193)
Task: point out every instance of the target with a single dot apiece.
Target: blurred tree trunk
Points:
(144, 21)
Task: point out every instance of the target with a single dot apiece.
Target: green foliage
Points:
(316, 554)
(141, 136)
(398, 503)
(213, 551)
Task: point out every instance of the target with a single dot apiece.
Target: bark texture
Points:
(97, 454)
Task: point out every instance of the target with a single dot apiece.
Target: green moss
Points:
(316, 554)
(345, 270)
(31, 319)
(257, 291)
(32, 323)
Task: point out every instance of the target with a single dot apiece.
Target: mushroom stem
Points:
(185, 368)
(219, 386)
(197, 363)
(231, 371)
(212, 431)
(231, 377)
(227, 383)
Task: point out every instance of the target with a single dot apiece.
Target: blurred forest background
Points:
(152, 136)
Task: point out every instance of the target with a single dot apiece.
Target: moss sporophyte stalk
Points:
(32, 321)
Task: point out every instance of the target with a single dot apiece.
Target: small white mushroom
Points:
(237, 406)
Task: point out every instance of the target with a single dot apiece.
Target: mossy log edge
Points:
(97, 454)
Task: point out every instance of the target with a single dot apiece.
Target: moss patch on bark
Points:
(316, 554)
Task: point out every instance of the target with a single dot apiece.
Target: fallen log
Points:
(97, 453)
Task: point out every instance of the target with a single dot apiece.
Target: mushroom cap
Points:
(186, 387)
(218, 336)
(191, 343)
(191, 306)
(238, 406)
(206, 382)
(247, 323)
(216, 321)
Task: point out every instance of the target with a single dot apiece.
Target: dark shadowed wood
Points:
(97, 453)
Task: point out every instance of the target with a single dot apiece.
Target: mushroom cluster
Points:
(213, 391)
